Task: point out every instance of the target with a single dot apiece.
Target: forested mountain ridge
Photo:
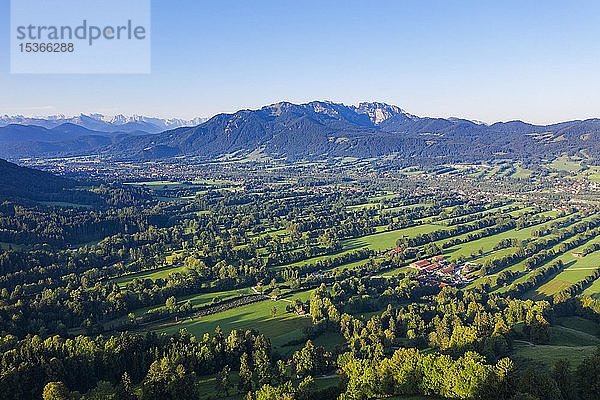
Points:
(314, 130)
(325, 129)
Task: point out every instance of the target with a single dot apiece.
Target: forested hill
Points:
(325, 129)
(30, 186)
(20, 183)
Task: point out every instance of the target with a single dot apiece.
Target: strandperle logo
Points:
(80, 36)
(85, 32)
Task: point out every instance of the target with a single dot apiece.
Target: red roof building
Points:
(433, 267)
(421, 264)
(395, 251)
(449, 269)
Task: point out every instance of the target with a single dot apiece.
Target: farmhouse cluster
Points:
(441, 272)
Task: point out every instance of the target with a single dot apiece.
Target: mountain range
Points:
(325, 129)
(63, 136)
(103, 123)
(319, 129)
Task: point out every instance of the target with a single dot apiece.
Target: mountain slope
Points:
(21, 182)
(324, 129)
(313, 130)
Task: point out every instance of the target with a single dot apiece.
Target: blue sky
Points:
(489, 60)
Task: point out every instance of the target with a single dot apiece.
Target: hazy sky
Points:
(489, 60)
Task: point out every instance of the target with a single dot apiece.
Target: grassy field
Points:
(351, 265)
(593, 290)
(408, 207)
(202, 299)
(563, 336)
(491, 211)
(208, 390)
(470, 250)
(593, 174)
(363, 206)
(549, 355)
(571, 338)
(565, 164)
(152, 274)
(280, 329)
(577, 269)
(487, 243)
(378, 241)
(595, 177)
(521, 172)
(580, 324)
(271, 232)
(387, 240)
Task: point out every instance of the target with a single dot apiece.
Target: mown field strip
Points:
(567, 258)
(281, 328)
(577, 269)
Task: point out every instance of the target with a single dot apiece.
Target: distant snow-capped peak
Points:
(102, 122)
